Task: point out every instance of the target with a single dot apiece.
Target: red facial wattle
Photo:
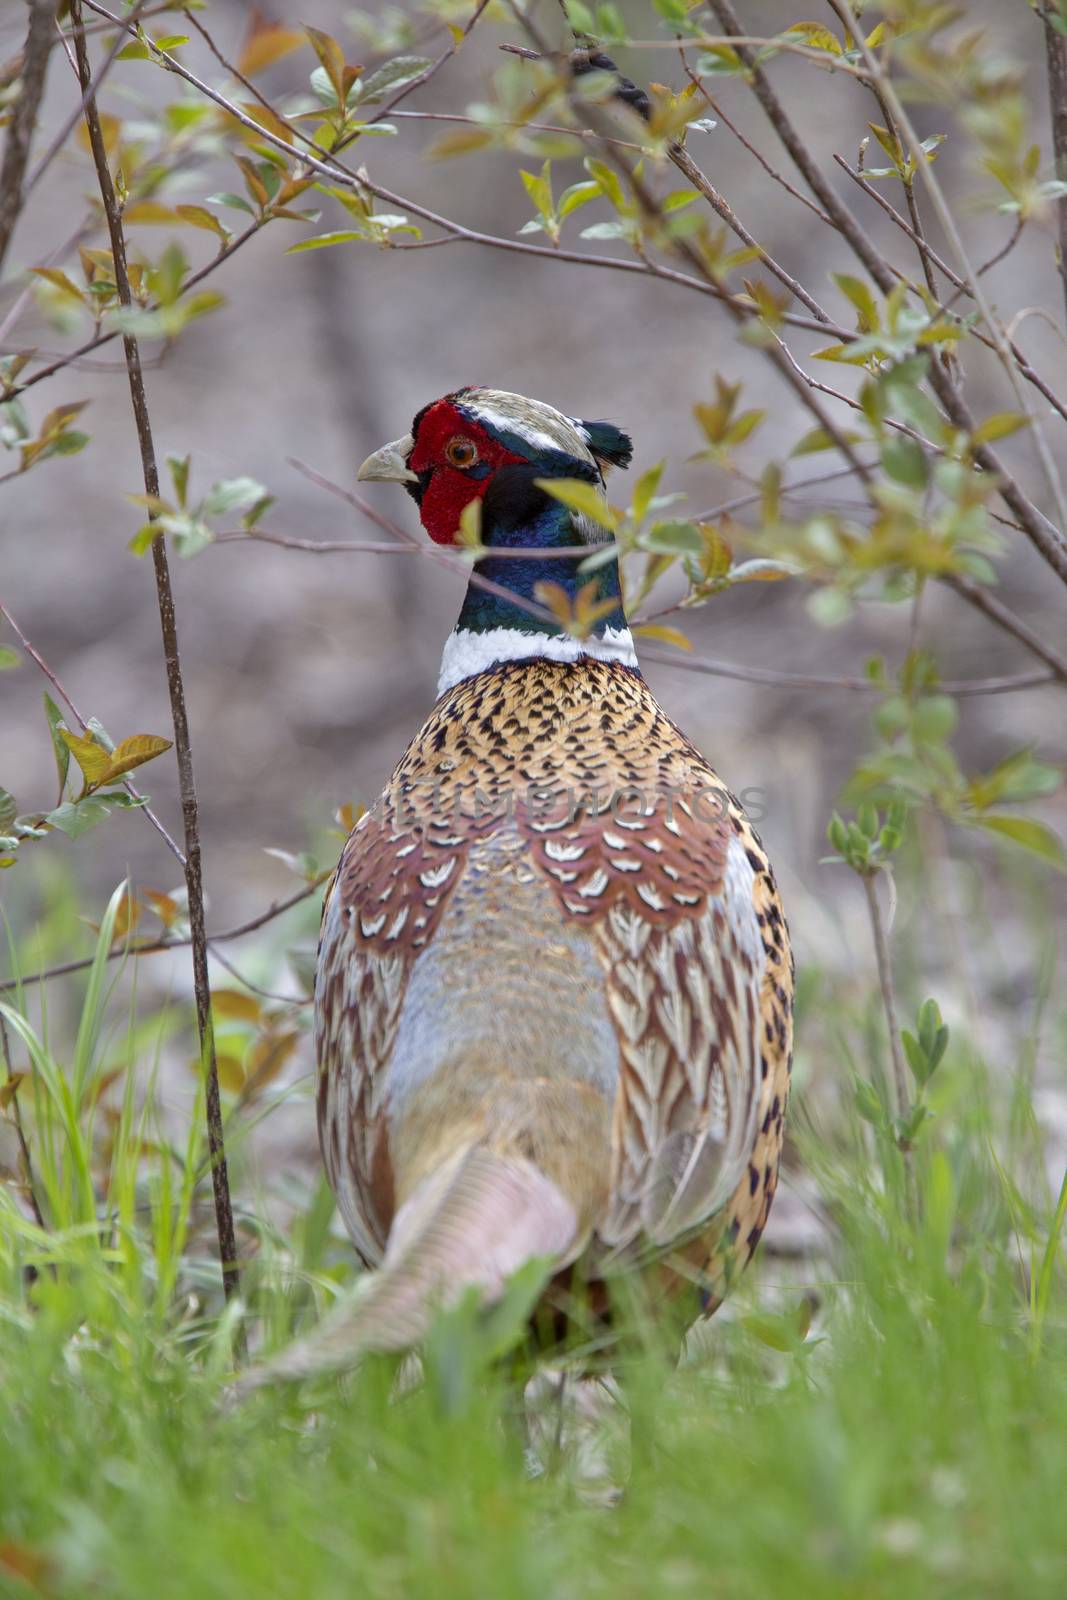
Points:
(451, 489)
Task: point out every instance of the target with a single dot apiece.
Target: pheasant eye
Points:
(461, 452)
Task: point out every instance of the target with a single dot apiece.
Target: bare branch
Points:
(336, 547)
(684, 663)
(771, 171)
(1047, 538)
(175, 684)
(1056, 52)
(24, 117)
(959, 283)
(74, 356)
(773, 679)
(154, 946)
(977, 595)
(79, 111)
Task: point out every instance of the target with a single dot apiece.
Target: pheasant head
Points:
(497, 448)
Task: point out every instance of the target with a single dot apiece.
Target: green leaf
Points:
(905, 461)
(867, 1102)
(143, 538)
(8, 809)
(538, 187)
(606, 181)
(675, 538)
(392, 75)
(813, 441)
(232, 494)
(1033, 836)
(178, 467)
(934, 719)
(644, 490)
(323, 240)
(57, 727)
(580, 496)
(999, 426)
(201, 217)
(9, 659)
(76, 817)
(236, 201)
(579, 194)
(860, 295)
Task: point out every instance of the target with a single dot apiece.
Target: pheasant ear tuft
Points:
(610, 446)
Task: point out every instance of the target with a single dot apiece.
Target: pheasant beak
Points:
(390, 463)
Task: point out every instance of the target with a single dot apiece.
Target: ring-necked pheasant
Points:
(554, 994)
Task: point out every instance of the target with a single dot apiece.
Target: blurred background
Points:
(306, 675)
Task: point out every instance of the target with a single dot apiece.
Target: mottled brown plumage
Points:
(509, 767)
(554, 995)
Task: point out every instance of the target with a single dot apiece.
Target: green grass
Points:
(912, 1442)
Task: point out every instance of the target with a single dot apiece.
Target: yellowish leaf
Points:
(133, 752)
(268, 1056)
(60, 281)
(265, 43)
(266, 119)
(231, 1070)
(348, 815)
(201, 217)
(331, 58)
(232, 1003)
(253, 182)
(149, 211)
(461, 143)
(91, 757)
(127, 917)
(656, 630)
(165, 908)
(10, 1088)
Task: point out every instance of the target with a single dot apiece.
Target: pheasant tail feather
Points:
(472, 1224)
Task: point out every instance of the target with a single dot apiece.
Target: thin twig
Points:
(453, 562)
(131, 789)
(722, 208)
(526, 127)
(709, 41)
(339, 174)
(76, 115)
(771, 171)
(771, 678)
(741, 309)
(683, 663)
(434, 67)
(977, 595)
(1047, 538)
(960, 284)
(176, 688)
(335, 547)
(155, 946)
(255, 988)
(1056, 53)
(24, 117)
